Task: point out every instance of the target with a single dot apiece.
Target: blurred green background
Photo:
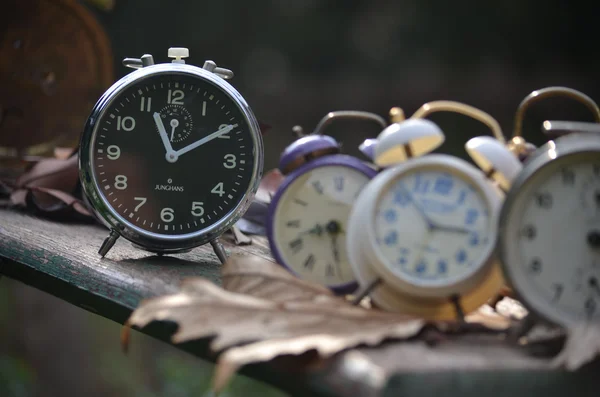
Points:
(295, 61)
(51, 348)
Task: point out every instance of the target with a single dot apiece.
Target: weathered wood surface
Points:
(62, 259)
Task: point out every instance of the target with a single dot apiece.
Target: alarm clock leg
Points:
(522, 328)
(219, 250)
(361, 294)
(108, 243)
(460, 313)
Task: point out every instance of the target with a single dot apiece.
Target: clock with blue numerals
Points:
(308, 216)
(422, 233)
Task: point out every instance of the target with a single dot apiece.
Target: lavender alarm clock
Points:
(306, 222)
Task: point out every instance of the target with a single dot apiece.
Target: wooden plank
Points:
(62, 259)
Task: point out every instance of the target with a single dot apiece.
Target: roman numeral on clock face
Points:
(296, 245)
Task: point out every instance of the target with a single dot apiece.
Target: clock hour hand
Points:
(170, 154)
(334, 248)
(317, 230)
(206, 139)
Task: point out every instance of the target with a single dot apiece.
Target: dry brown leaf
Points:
(268, 185)
(287, 326)
(582, 347)
(511, 308)
(202, 310)
(255, 276)
(489, 318)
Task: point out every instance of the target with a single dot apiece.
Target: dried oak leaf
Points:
(489, 318)
(253, 221)
(255, 276)
(294, 320)
(582, 347)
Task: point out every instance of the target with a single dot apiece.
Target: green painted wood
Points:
(62, 259)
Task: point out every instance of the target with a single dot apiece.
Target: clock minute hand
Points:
(420, 209)
(206, 139)
(454, 229)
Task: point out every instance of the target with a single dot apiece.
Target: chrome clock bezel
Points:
(150, 241)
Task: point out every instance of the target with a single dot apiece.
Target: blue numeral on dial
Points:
(461, 197)
(471, 216)
(443, 185)
(390, 215)
(442, 266)
(401, 197)
(391, 238)
(421, 186)
(474, 239)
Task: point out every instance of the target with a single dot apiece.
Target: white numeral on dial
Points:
(142, 201)
(175, 97)
(197, 208)
(224, 136)
(218, 189)
(113, 152)
(126, 123)
(121, 182)
(229, 161)
(145, 104)
(167, 215)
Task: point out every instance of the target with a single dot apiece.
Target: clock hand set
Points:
(172, 155)
(417, 204)
(431, 225)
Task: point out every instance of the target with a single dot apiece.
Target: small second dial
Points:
(178, 122)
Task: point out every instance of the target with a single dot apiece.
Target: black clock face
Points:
(173, 154)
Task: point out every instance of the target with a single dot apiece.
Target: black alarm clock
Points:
(171, 155)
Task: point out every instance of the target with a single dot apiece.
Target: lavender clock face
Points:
(310, 222)
(173, 154)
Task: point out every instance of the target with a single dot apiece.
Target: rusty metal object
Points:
(55, 61)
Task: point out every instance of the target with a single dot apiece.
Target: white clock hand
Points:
(206, 139)
(174, 123)
(170, 154)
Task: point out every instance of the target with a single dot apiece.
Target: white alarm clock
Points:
(549, 229)
(422, 234)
